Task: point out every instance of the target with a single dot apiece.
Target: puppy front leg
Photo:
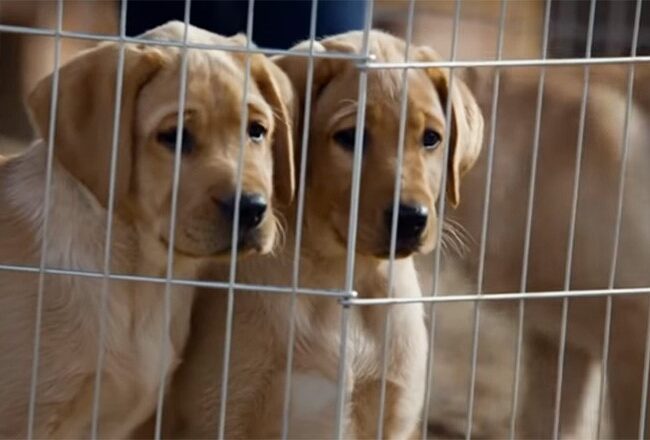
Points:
(536, 415)
(626, 366)
(73, 417)
(404, 394)
(312, 413)
(397, 422)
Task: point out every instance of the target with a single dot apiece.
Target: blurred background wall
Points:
(25, 59)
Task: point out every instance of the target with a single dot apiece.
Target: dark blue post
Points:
(278, 23)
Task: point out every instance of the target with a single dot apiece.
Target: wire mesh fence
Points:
(580, 35)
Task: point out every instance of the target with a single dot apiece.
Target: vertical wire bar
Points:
(572, 227)
(299, 219)
(230, 308)
(619, 217)
(529, 221)
(119, 80)
(576, 27)
(614, 41)
(393, 228)
(31, 415)
(486, 217)
(352, 226)
(644, 390)
(180, 122)
(428, 386)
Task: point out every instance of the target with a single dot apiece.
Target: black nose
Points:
(411, 221)
(251, 210)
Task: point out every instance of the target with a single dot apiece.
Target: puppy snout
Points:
(252, 208)
(411, 222)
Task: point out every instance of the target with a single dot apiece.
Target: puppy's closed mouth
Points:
(248, 244)
(245, 246)
(402, 250)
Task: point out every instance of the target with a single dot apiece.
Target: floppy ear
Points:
(277, 91)
(85, 112)
(466, 135)
(296, 67)
(295, 77)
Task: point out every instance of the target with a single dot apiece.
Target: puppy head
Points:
(332, 132)
(210, 139)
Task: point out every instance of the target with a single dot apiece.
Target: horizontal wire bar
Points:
(554, 294)
(253, 288)
(534, 62)
(138, 40)
(369, 64)
(342, 294)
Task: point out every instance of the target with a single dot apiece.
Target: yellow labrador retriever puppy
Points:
(258, 366)
(593, 245)
(135, 346)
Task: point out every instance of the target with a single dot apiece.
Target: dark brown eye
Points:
(168, 139)
(345, 138)
(256, 131)
(431, 139)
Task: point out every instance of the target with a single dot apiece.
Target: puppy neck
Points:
(320, 243)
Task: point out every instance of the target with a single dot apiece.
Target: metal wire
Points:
(300, 210)
(119, 80)
(393, 231)
(347, 295)
(336, 293)
(180, 122)
(349, 298)
(619, 217)
(428, 385)
(572, 226)
(529, 222)
(452, 297)
(514, 62)
(646, 377)
(366, 62)
(24, 30)
(235, 226)
(486, 217)
(353, 223)
(31, 415)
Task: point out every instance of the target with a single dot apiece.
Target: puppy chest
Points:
(141, 340)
